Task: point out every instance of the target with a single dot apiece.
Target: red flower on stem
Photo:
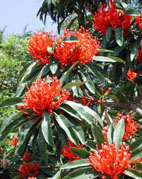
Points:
(44, 95)
(28, 170)
(66, 151)
(14, 141)
(82, 50)
(131, 75)
(110, 162)
(38, 44)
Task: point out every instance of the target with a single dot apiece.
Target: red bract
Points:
(139, 21)
(44, 95)
(28, 170)
(113, 18)
(27, 157)
(38, 44)
(66, 151)
(14, 141)
(110, 162)
(81, 51)
(131, 75)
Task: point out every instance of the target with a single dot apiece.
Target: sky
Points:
(17, 14)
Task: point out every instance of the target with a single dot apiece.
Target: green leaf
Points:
(67, 127)
(104, 50)
(74, 164)
(136, 144)
(53, 64)
(13, 125)
(71, 38)
(82, 153)
(44, 71)
(85, 112)
(118, 133)
(82, 173)
(57, 175)
(108, 33)
(133, 173)
(69, 85)
(134, 49)
(137, 153)
(97, 134)
(119, 36)
(108, 59)
(91, 144)
(42, 148)
(98, 72)
(11, 101)
(46, 129)
(66, 74)
(110, 133)
(20, 89)
(89, 84)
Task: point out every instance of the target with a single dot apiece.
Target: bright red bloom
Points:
(139, 21)
(27, 157)
(113, 18)
(44, 95)
(14, 141)
(131, 75)
(131, 126)
(66, 151)
(38, 44)
(110, 162)
(28, 170)
(32, 178)
(82, 50)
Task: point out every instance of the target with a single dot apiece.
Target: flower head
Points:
(44, 95)
(131, 126)
(139, 21)
(27, 157)
(82, 50)
(66, 151)
(131, 75)
(38, 44)
(14, 141)
(112, 17)
(110, 162)
(28, 170)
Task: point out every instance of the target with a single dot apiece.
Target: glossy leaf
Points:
(118, 133)
(119, 36)
(108, 33)
(11, 102)
(74, 164)
(46, 129)
(110, 133)
(134, 49)
(53, 65)
(133, 173)
(70, 85)
(108, 59)
(82, 153)
(136, 144)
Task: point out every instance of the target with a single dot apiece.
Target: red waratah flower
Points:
(32, 178)
(14, 141)
(131, 75)
(110, 162)
(82, 50)
(38, 44)
(139, 21)
(27, 157)
(44, 95)
(28, 170)
(131, 126)
(113, 18)
(66, 151)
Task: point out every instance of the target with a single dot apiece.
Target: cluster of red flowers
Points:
(28, 170)
(14, 141)
(131, 126)
(139, 21)
(41, 96)
(113, 18)
(81, 50)
(110, 162)
(66, 151)
(38, 44)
